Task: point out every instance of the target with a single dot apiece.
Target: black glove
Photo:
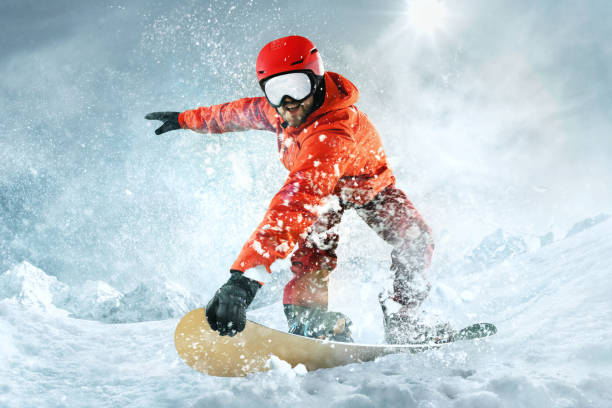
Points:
(226, 311)
(170, 120)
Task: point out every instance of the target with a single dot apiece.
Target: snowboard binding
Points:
(318, 323)
(405, 326)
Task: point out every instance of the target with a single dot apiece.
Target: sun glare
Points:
(427, 16)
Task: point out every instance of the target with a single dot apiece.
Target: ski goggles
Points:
(296, 85)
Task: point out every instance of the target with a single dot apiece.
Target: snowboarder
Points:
(336, 162)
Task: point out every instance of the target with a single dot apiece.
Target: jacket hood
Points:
(339, 93)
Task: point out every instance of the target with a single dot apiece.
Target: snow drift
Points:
(551, 305)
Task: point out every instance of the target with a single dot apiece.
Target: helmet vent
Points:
(314, 50)
(298, 62)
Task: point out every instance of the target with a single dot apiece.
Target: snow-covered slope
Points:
(552, 306)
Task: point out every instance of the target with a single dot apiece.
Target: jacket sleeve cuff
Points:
(181, 120)
(250, 259)
(258, 273)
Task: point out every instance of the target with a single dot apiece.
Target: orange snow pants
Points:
(393, 217)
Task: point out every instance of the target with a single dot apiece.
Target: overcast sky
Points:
(496, 114)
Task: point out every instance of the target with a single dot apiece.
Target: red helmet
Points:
(293, 53)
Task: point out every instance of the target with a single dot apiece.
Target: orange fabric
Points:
(309, 289)
(243, 114)
(336, 151)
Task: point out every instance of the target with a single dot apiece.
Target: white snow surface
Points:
(552, 306)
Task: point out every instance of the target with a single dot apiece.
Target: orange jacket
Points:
(336, 151)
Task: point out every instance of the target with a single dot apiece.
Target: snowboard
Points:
(249, 351)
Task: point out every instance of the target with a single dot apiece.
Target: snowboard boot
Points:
(318, 323)
(406, 326)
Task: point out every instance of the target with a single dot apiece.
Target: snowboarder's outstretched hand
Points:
(170, 120)
(226, 311)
